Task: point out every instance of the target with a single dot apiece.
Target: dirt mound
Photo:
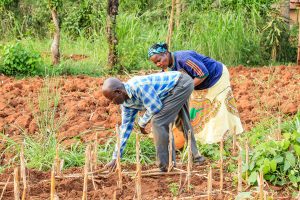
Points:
(266, 92)
(260, 92)
(81, 103)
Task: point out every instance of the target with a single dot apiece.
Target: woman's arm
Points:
(198, 81)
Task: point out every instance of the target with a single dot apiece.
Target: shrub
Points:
(16, 60)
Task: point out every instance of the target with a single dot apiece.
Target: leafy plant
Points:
(278, 160)
(275, 33)
(174, 189)
(16, 60)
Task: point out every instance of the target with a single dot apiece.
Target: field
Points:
(78, 113)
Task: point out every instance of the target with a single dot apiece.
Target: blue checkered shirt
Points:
(145, 92)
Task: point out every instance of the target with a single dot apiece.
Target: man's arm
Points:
(128, 116)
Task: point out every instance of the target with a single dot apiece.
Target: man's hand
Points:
(143, 131)
(111, 166)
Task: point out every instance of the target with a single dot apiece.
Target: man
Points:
(164, 95)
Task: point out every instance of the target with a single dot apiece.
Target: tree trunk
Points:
(171, 24)
(112, 12)
(285, 10)
(178, 12)
(56, 38)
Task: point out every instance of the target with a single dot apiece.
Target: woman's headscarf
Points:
(157, 48)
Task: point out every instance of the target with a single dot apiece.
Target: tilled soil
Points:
(260, 93)
(153, 187)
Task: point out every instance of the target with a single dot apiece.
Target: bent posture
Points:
(164, 96)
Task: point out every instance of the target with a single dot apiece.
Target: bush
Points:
(16, 60)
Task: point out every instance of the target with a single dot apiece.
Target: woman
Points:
(213, 108)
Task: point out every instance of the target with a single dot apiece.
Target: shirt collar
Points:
(128, 90)
(173, 67)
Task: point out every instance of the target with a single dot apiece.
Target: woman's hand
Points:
(198, 81)
(143, 131)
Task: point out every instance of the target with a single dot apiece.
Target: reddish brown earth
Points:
(260, 93)
(153, 187)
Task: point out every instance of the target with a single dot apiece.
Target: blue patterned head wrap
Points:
(157, 48)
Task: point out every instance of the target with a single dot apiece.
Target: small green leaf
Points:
(278, 159)
(243, 195)
(286, 166)
(266, 166)
(252, 178)
(285, 144)
(290, 158)
(297, 149)
(273, 165)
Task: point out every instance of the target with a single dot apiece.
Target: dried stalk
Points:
(221, 164)
(115, 195)
(52, 190)
(16, 183)
(247, 158)
(190, 162)
(93, 159)
(209, 184)
(23, 172)
(57, 161)
(95, 153)
(119, 169)
(138, 188)
(260, 180)
(170, 173)
(278, 132)
(170, 148)
(234, 141)
(240, 178)
(4, 188)
(86, 170)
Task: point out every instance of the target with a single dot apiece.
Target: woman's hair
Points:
(160, 44)
(158, 48)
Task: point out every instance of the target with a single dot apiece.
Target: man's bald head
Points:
(111, 84)
(114, 90)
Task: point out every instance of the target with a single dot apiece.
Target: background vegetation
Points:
(235, 32)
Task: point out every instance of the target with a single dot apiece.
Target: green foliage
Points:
(147, 154)
(16, 60)
(278, 160)
(55, 4)
(7, 3)
(47, 113)
(84, 18)
(229, 31)
(174, 189)
(276, 37)
(40, 154)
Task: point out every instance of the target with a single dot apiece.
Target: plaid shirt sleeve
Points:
(128, 116)
(151, 102)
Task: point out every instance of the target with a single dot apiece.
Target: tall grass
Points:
(94, 48)
(231, 37)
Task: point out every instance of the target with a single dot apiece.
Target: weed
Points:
(174, 189)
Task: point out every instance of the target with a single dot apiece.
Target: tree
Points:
(171, 25)
(54, 5)
(112, 12)
(178, 12)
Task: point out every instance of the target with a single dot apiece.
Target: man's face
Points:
(116, 96)
(160, 60)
